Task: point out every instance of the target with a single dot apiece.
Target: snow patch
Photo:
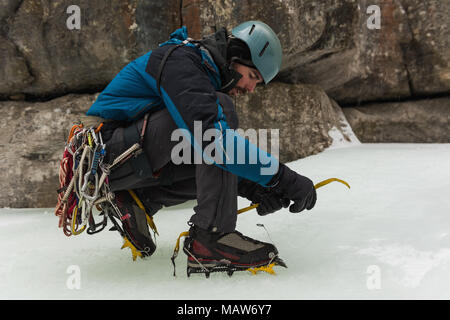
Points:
(343, 137)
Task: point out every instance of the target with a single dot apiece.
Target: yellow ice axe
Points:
(316, 186)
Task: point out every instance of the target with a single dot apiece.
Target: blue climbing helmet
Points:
(264, 46)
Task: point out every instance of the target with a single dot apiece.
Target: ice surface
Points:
(388, 237)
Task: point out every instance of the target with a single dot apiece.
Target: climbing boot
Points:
(227, 252)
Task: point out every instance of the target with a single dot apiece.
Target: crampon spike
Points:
(268, 269)
(230, 269)
(279, 262)
(134, 252)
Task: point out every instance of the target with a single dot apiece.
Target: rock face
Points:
(31, 145)
(413, 121)
(14, 74)
(41, 56)
(427, 55)
(329, 43)
(303, 114)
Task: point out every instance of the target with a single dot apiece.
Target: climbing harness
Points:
(79, 190)
(84, 185)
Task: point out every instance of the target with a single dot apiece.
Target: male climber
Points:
(181, 82)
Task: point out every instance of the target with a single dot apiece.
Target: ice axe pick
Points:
(316, 186)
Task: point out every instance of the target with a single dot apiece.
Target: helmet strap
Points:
(231, 79)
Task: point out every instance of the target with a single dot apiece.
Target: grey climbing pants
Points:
(214, 189)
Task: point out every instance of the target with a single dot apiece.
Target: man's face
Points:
(250, 78)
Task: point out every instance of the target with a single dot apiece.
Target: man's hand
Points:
(268, 200)
(289, 184)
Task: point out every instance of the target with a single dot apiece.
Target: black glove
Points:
(269, 201)
(289, 184)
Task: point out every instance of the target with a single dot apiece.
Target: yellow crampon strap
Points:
(268, 269)
(177, 248)
(134, 252)
(126, 242)
(316, 186)
(177, 245)
(150, 221)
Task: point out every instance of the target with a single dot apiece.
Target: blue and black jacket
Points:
(188, 87)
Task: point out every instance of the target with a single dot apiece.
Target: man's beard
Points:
(237, 91)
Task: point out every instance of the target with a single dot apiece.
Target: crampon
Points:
(206, 265)
(129, 240)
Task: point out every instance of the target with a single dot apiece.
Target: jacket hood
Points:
(217, 45)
